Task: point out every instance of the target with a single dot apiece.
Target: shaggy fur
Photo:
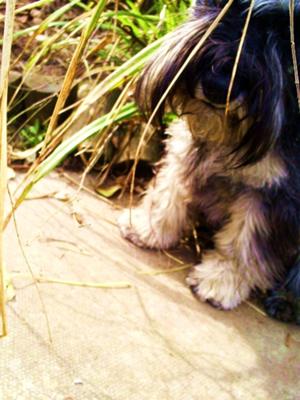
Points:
(240, 173)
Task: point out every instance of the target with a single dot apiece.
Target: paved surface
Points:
(152, 341)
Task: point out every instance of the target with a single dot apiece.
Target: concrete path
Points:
(151, 341)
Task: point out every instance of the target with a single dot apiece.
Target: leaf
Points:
(109, 191)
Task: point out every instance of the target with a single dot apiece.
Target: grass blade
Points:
(5, 65)
(118, 77)
(70, 144)
(70, 75)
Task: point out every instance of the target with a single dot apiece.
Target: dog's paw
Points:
(217, 281)
(281, 306)
(132, 228)
(137, 227)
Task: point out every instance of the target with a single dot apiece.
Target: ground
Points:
(150, 341)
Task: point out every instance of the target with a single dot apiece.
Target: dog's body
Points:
(238, 173)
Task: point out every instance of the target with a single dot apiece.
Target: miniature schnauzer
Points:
(237, 172)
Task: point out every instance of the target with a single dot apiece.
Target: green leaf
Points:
(109, 191)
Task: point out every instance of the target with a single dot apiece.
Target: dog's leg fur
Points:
(237, 265)
(162, 217)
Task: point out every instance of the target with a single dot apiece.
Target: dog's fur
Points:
(240, 173)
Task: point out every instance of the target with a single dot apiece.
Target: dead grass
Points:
(5, 66)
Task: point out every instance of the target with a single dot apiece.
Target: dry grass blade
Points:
(293, 48)
(95, 285)
(255, 308)
(31, 274)
(166, 270)
(70, 75)
(106, 136)
(52, 17)
(238, 56)
(5, 64)
(209, 31)
(172, 257)
(115, 79)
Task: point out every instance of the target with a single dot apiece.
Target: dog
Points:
(230, 164)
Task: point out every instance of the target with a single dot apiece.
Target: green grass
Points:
(99, 48)
(32, 134)
(114, 41)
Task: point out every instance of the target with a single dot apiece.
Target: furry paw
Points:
(282, 306)
(137, 227)
(218, 281)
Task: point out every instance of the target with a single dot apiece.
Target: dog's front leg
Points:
(161, 218)
(242, 259)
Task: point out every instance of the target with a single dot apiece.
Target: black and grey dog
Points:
(237, 172)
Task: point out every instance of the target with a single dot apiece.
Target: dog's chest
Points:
(214, 198)
(218, 187)
(215, 162)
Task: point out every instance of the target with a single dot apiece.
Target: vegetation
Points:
(67, 78)
(74, 66)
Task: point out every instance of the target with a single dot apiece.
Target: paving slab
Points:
(151, 341)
